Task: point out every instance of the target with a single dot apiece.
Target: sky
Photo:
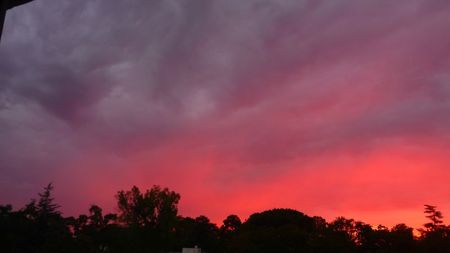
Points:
(333, 108)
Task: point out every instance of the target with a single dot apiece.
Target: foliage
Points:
(148, 221)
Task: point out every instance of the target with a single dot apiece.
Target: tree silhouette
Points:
(435, 235)
(402, 239)
(435, 218)
(231, 224)
(276, 230)
(155, 208)
(148, 222)
(46, 205)
(47, 229)
(151, 216)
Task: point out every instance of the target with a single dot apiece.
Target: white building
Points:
(192, 250)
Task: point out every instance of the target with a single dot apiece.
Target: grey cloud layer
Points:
(262, 81)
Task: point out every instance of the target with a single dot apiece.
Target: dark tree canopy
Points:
(154, 208)
(148, 221)
(231, 223)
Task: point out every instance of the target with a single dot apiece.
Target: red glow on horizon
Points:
(387, 185)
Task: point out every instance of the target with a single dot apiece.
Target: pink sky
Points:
(333, 108)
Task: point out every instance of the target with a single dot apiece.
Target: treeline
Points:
(149, 222)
